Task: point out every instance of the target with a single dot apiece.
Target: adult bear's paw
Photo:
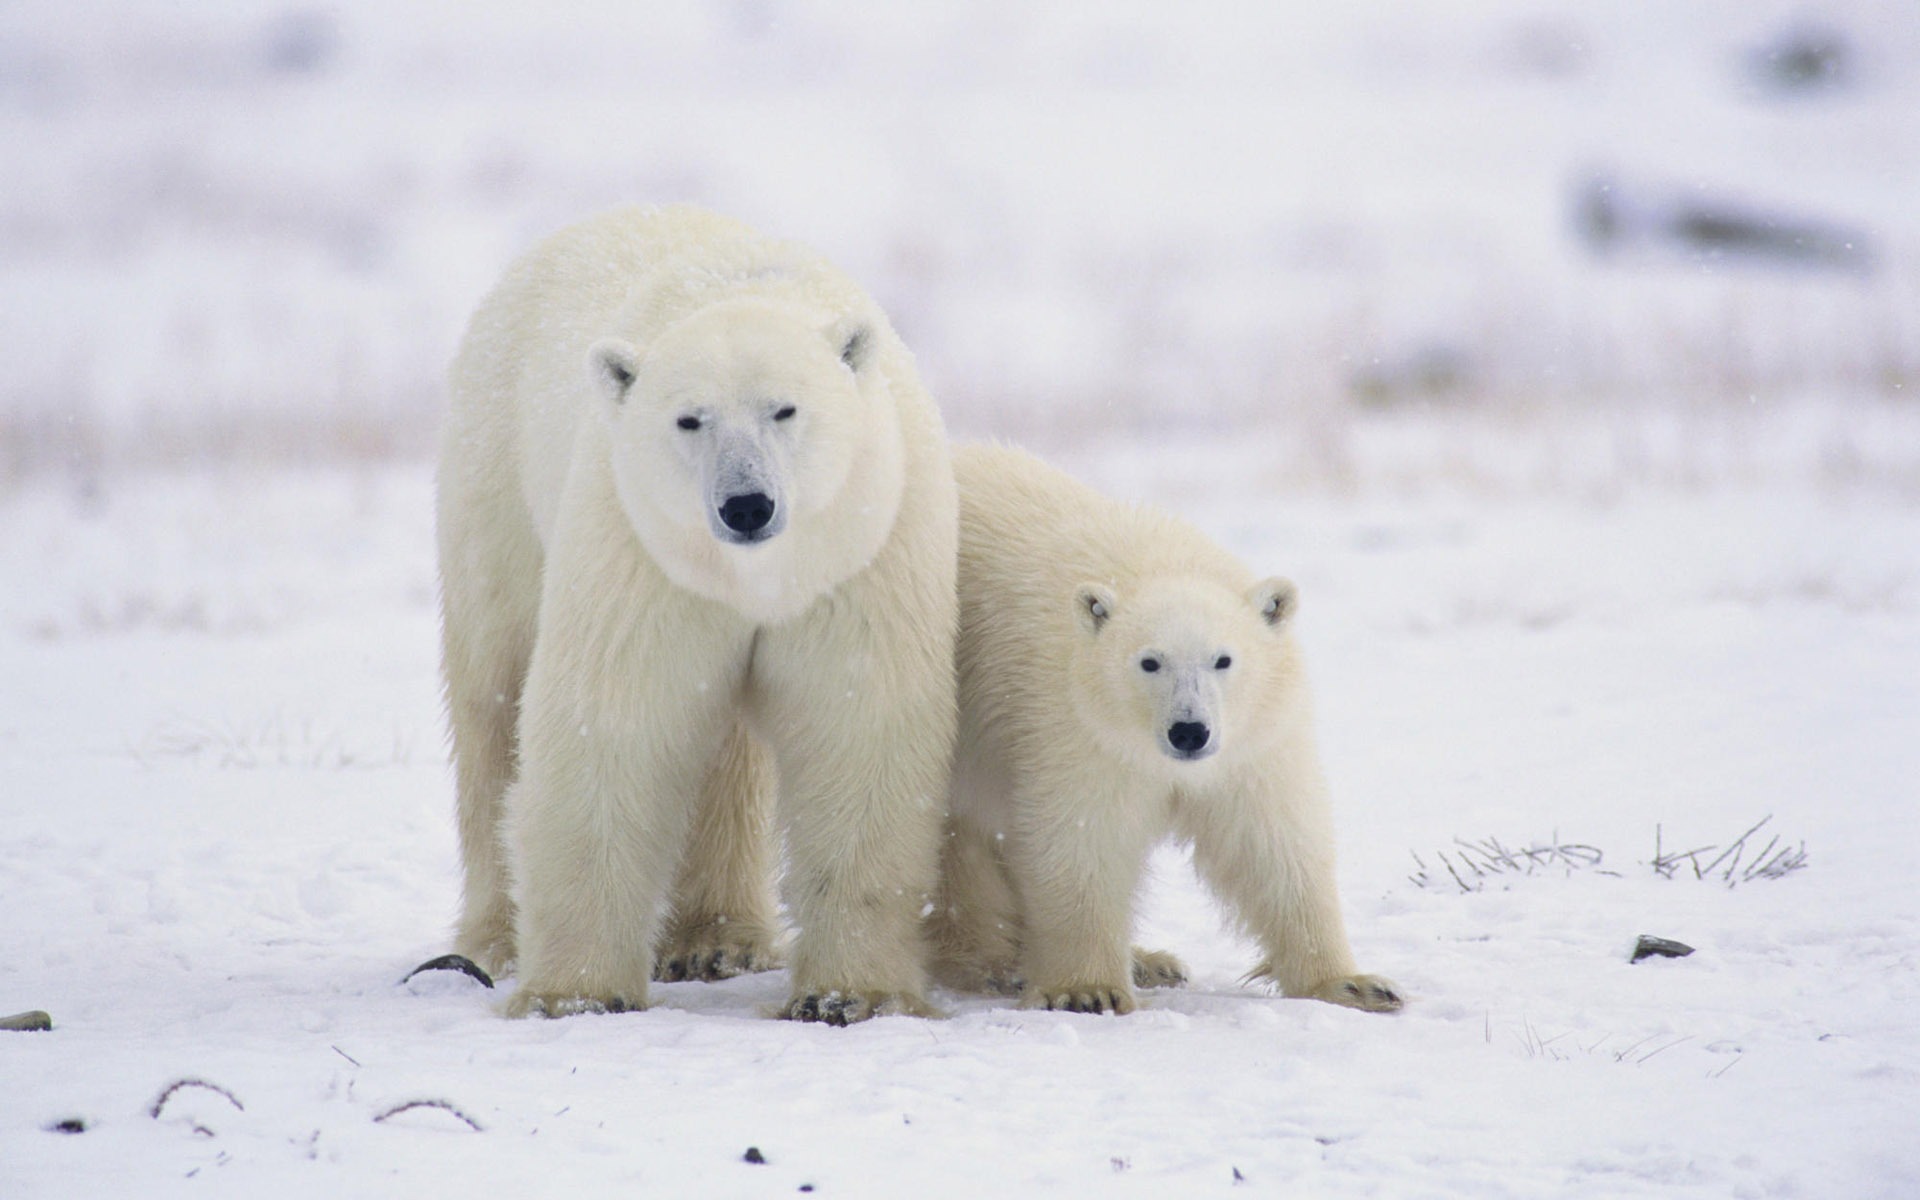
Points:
(848, 1007)
(529, 1003)
(715, 950)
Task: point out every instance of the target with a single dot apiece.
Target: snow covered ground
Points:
(1595, 548)
(225, 833)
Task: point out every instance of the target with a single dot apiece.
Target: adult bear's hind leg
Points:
(489, 594)
(725, 921)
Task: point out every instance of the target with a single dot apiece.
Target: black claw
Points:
(452, 962)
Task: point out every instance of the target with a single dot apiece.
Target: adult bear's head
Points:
(756, 448)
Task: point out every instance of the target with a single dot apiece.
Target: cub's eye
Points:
(1149, 665)
(688, 423)
(1222, 663)
(785, 413)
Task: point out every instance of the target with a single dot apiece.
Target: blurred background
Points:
(1520, 244)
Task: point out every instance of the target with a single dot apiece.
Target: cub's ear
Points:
(852, 338)
(1275, 600)
(611, 362)
(1093, 603)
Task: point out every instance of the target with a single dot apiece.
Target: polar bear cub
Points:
(1123, 678)
(697, 541)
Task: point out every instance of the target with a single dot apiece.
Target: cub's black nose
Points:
(748, 513)
(1188, 737)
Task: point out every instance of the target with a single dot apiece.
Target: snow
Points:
(228, 835)
(1590, 549)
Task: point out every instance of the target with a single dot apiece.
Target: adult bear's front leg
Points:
(631, 693)
(858, 700)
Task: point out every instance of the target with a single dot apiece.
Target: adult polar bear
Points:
(1121, 677)
(697, 527)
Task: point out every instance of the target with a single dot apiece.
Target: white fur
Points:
(628, 675)
(1066, 773)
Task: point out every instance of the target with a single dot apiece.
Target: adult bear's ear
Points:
(611, 362)
(1093, 603)
(1275, 600)
(852, 339)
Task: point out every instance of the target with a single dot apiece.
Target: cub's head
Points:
(734, 429)
(1182, 670)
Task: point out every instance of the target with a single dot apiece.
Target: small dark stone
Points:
(1238, 1177)
(806, 1187)
(1649, 947)
(754, 1156)
(68, 1125)
(452, 962)
(32, 1021)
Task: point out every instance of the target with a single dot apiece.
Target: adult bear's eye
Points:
(1149, 665)
(688, 423)
(1222, 663)
(785, 413)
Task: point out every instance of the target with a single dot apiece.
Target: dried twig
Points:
(443, 1105)
(177, 1084)
(1662, 1049)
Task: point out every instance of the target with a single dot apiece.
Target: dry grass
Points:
(1468, 866)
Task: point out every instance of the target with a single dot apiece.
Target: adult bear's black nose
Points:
(1188, 737)
(747, 513)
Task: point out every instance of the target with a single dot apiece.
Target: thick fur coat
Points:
(697, 548)
(1123, 679)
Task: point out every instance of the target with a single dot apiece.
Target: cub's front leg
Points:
(1080, 847)
(1265, 845)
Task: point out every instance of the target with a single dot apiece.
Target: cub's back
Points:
(1029, 533)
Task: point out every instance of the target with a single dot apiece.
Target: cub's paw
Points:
(1081, 998)
(1369, 993)
(715, 950)
(528, 1003)
(849, 1008)
(1157, 969)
